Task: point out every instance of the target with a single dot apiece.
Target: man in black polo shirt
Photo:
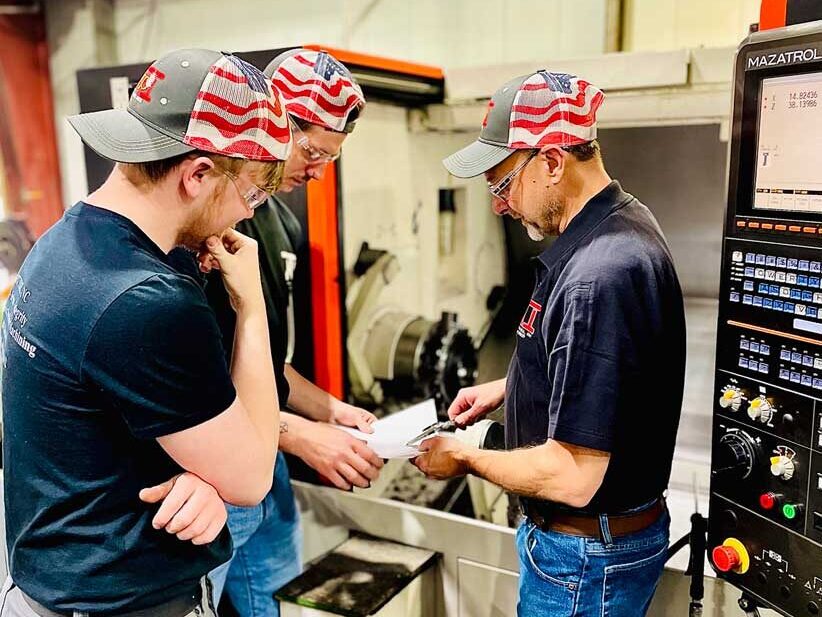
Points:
(114, 377)
(594, 391)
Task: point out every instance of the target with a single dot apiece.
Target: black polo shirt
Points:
(600, 360)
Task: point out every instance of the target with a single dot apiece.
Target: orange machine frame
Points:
(323, 201)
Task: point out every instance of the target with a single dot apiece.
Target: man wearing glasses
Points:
(594, 390)
(323, 102)
(114, 378)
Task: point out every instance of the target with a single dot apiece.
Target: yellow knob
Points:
(775, 460)
(729, 394)
(756, 402)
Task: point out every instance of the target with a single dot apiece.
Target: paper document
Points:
(392, 432)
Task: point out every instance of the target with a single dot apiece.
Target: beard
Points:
(534, 232)
(549, 219)
(201, 225)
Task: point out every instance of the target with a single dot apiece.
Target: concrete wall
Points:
(452, 34)
(653, 25)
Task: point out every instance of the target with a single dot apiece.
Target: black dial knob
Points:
(737, 455)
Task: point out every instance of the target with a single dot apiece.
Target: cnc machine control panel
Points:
(765, 522)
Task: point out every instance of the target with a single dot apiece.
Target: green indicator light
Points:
(789, 511)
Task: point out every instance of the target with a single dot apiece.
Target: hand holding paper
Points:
(393, 432)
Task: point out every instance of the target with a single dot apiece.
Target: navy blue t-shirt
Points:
(600, 357)
(105, 347)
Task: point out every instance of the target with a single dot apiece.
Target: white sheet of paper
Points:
(392, 432)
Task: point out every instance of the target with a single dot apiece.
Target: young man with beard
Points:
(605, 327)
(323, 102)
(114, 378)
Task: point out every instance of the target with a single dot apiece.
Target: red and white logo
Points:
(147, 83)
(526, 326)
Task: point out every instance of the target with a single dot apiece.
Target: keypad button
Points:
(763, 367)
(778, 305)
(796, 294)
(812, 311)
(743, 344)
(807, 380)
(817, 383)
(807, 296)
(757, 301)
(784, 374)
(785, 292)
(767, 303)
(795, 377)
(796, 357)
(770, 275)
(804, 265)
(816, 266)
(781, 262)
(759, 273)
(765, 349)
(754, 346)
(743, 362)
(763, 288)
(785, 355)
(770, 260)
(813, 281)
(799, 309)
(753, 365)
(749, 271)
(807, 360)
(760, 259)
(817, 363)
(788, 308)
(750, 258)
(792, 263)
(781, 277)
(790, 278)
(773, 289)
(747, 299)
(817, 297)
(802, 279)
(748, 285)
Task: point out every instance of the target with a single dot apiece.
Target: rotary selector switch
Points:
(731, 398)
(782, 463)
(761, 409)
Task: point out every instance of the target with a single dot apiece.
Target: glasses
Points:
(500, 189)
(314, 155)
(253, 195)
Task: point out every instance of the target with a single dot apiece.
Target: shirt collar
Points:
(592, 214)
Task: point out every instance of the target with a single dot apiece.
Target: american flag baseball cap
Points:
(530, 111)
(317, 88)
(193, 99)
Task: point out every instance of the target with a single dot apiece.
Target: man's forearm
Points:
(253, 373)
(291, 429)
(547, 472)
(307, 399)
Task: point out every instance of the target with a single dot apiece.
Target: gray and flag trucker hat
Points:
(530, 111)
(192, 99)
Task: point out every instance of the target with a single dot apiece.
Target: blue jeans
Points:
(267, 550)
(570, 576)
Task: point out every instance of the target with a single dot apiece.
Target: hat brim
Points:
(119, 136)
(476, 159)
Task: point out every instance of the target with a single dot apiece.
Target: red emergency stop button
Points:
(768, 501)
(726, 558)
(731, 556)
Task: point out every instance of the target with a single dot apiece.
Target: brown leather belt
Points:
(587, 525)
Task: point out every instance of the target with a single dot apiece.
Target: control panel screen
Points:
(789, 149)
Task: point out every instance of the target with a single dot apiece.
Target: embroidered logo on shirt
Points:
(526, 326)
